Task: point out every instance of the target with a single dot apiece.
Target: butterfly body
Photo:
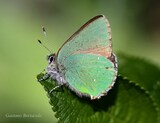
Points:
(85, 62)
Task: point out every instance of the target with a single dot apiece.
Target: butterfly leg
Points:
(55, 88)
(45, 77)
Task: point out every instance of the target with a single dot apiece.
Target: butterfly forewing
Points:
(93, 37)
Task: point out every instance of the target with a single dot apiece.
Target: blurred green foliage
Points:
(135, 30)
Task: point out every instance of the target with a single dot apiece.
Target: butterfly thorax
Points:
(54, 71)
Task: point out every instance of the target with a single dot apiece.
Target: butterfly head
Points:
(51, 58)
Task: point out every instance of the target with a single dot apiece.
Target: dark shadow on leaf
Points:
(105, 102)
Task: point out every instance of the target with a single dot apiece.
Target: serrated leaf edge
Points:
(147, 93)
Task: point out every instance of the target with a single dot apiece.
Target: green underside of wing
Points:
(89, 73)
(95, 35)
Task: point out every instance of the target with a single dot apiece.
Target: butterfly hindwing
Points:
(89, 74)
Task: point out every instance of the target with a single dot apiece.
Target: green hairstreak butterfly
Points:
(85, 62)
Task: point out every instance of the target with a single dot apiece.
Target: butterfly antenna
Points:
(44, 46)
(45, 34)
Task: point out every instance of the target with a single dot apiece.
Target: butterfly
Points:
(85, 63)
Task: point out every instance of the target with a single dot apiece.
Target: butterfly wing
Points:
(89, 74)
(93, 37)
(89, 65)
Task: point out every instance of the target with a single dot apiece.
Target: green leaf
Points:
(142, 73)
(125, 103)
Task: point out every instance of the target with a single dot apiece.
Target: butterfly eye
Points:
(51, 59)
